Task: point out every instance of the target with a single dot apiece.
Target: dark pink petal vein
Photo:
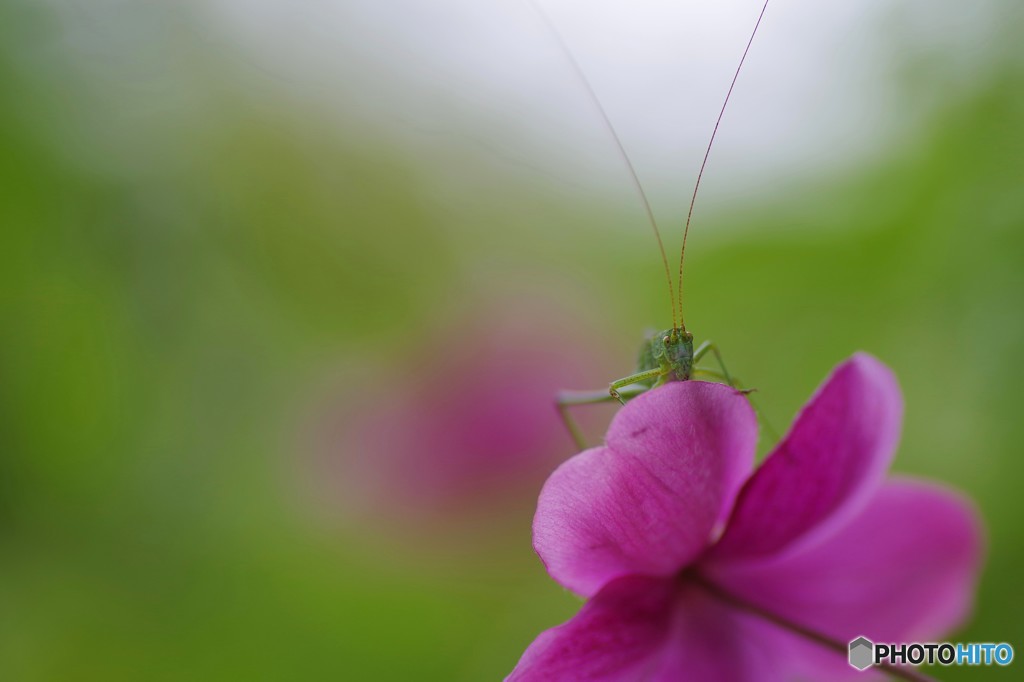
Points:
(903, 569)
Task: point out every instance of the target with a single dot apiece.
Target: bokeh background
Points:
(285, 289)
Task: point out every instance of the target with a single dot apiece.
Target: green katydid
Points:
(668, 355)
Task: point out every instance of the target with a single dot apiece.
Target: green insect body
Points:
(671, 351)
(666, 356)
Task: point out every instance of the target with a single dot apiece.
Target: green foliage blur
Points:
(185, 264)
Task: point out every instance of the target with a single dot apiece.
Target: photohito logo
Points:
(864, 653)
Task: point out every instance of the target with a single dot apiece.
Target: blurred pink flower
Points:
(698, 569)
(469, 426)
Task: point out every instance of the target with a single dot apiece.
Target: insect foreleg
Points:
(613, 389)
(566, 399)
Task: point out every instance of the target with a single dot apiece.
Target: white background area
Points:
(825, 85)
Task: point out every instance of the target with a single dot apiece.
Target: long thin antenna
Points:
(693, 200)
(622, 150)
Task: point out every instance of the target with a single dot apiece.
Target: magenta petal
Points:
(710, 640)
(835, 455)
(615, 636)
(903, 570)
(647, 503)
(661, 631)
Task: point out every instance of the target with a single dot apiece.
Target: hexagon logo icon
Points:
(862, 653)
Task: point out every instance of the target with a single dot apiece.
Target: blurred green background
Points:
(193, 273)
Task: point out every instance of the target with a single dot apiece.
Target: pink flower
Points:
(697, 568)
(461, 431)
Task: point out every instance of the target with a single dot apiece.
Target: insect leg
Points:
(733, 382)
(613, 389)
(702, 350)
(566, 399)
(738, 385)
